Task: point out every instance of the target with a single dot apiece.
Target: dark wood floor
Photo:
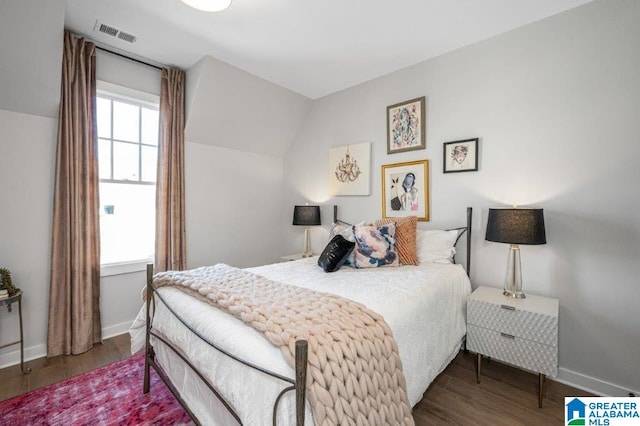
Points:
(46, 371)
(505, 396)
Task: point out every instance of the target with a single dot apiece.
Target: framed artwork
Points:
(350, 169)
(406, 126)
(460, 156)
(405, 190)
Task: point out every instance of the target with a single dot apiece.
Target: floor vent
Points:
(112, 31)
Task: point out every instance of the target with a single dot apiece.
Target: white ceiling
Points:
(311, 47)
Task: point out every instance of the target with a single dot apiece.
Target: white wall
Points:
(238, 128)
(230, 108)
(233, 206)
(31, 37)
(123, 72)
(27, 162)
(555, 105)
(31, 34)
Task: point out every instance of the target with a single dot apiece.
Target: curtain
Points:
(170, 224)
(74, 293)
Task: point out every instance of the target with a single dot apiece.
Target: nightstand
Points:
(520, 332)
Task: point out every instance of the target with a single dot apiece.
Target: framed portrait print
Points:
(350, 169)
(406, 126)
(460, 156)
(405, 190)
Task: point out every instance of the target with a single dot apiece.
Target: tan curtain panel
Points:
(74, 295)
(170, 226)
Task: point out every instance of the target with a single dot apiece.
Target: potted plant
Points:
(5, 282)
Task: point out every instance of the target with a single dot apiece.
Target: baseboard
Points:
(591, 384)
(40, 351)
(13, 358)
(116, 330)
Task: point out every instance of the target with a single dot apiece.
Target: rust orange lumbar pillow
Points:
(405, 237)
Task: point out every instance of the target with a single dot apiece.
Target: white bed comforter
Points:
(423, 305)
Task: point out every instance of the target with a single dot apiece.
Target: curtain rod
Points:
(129, 58)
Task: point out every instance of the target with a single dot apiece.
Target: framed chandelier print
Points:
(405, 190)
(350, 169)
(406, 126)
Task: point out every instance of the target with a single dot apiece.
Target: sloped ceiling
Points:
(31, 33)
(231, 108)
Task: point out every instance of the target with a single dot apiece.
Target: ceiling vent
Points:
(112, 31)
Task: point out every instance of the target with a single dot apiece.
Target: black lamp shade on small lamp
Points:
(516, 227)
(306, 216)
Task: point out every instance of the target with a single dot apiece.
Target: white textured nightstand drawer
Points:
(514, 350)
(511, 320)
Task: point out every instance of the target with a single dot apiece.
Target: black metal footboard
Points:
(297, 384)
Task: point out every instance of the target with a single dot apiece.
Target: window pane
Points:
(127, 222)
(104, 158)
(103, 112)
(149, 163)
(125, 161)
(126, 122)
(150, 126)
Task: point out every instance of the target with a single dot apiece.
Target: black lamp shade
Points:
(516, 226)
(306, 215)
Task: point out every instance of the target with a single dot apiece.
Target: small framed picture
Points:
(406, 126)
(460, 156)
(405, 190)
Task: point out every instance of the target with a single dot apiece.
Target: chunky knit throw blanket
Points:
(354, 373)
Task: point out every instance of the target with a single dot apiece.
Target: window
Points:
(128, 157)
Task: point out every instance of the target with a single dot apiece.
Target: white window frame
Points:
(143, 99)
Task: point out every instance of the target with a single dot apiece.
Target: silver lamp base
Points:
(306, 252)
(513, 283)
(520, 295)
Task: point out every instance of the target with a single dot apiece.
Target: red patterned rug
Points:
(111, 395)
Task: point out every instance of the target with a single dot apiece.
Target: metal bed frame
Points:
(297, 385)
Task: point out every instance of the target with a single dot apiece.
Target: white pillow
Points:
(436, 246)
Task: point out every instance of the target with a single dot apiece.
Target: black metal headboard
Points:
(463, 230)
(335, 217)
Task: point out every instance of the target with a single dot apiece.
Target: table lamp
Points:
(306, 216)
(515, 226)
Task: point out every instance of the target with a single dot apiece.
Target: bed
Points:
(226, 373)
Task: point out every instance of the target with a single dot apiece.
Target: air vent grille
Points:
(112, 31)
(127, 37)
(108, 30)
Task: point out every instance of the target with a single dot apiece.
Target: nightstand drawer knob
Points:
(508, 336)
(507, 307)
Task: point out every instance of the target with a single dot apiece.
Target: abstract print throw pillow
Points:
(375, 246)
